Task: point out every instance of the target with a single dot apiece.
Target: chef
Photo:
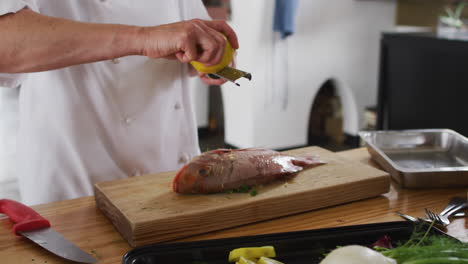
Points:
(104, 88)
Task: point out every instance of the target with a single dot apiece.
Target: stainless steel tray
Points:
(426, 158)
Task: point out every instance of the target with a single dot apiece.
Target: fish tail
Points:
(307, 161)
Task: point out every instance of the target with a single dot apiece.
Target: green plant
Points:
(452, 17)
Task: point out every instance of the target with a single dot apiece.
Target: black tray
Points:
(299, 247)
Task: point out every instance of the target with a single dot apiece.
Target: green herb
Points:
(253, 192)
(244, 189)
(439, 260)
(423, 248)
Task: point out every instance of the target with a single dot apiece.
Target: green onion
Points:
(439, 260)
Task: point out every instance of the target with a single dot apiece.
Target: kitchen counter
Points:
(81, 222)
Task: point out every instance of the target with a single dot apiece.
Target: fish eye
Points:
(203, 172)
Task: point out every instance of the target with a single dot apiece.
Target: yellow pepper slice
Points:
(243, 260)
(252, 253)
(265, 260)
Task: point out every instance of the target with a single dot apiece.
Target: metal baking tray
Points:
(425, 158)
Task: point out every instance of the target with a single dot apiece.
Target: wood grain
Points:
(81, 222)
(145, 209)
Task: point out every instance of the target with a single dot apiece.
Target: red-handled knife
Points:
(30, 224)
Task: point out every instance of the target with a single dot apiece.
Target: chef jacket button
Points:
(184, 158)
(177, 106)
(128, 120)
(114, 60)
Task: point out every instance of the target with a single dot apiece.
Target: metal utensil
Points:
(30, 224)
(425, 220)
(412, 218)
(455, 204)
(407, 217)
(230, 74)
(440, 219)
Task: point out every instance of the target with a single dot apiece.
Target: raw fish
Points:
(226, 169)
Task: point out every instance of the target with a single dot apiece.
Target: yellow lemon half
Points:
(227, 58)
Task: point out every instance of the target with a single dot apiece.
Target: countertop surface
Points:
(82, 223)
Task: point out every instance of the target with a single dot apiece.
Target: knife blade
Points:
(230, 74)
(30, 224)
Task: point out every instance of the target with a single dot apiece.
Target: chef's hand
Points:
(192, 40)
(210, 81)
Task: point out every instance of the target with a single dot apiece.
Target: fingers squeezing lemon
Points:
(225, 61)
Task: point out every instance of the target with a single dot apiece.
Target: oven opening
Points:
(326, 119)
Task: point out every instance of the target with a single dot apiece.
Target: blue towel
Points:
(285, 13)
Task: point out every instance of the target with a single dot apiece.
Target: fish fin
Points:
(307, 161)
(219, 151)
(247, 149)
(294, 168)
(223, 150)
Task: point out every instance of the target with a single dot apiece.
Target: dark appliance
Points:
(423, 82)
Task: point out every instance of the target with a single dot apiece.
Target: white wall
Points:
(333, 39)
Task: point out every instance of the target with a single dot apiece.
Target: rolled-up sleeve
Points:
(13, 6)
(12, 80)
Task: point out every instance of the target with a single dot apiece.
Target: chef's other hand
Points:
(192, 40)
(210, 81)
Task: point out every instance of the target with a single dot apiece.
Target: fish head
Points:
(191, 177)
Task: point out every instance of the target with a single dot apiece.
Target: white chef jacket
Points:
(106, 120)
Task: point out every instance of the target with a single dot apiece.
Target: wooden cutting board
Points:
(145, 210)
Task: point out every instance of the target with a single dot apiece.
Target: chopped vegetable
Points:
(383, 242)
(265, 260)
(252, 253)
(253, 192)
(245, 189)
(242, 189)
(243, 260)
